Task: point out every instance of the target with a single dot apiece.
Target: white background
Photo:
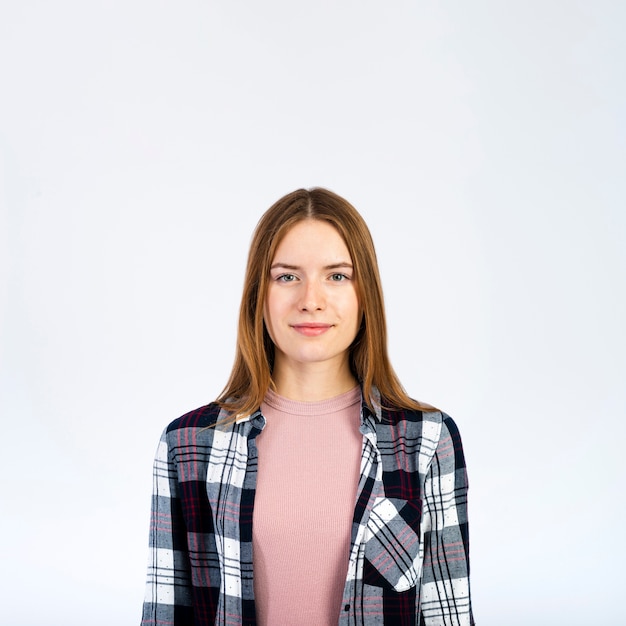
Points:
(484, 142)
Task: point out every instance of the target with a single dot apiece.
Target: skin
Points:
(312, 312)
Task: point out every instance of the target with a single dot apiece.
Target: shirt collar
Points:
(370, 408)
(373, 407)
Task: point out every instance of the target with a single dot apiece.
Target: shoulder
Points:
(451, 448)
(185, 447)
(422, 428)
(414, 438)
(202, 417)
(438, 436)
(449, 426)
(396, 417)
(429, 415)
(435, 429)
(188, 440)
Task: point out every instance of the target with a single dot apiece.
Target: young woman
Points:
(314, 491)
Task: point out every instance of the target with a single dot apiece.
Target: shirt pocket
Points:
(392, 544)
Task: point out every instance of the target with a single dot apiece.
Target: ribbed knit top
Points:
(309, 461)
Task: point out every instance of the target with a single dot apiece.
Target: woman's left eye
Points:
(338, 277)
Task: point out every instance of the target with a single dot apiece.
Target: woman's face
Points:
(312, 310)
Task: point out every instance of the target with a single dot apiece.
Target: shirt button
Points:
(346, 608)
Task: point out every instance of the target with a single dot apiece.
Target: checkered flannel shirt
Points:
(408, 561)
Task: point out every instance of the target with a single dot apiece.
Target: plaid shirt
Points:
(409, 553)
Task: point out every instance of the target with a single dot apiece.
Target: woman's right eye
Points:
(286, 278)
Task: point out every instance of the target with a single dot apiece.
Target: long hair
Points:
(251, 375)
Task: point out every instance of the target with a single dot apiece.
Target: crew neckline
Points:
(315, 408)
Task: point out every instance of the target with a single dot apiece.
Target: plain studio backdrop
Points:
(484, 143)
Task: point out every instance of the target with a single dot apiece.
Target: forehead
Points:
(313, 238)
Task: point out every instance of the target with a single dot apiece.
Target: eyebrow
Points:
(332, 266)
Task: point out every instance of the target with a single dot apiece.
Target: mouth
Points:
(311, 329)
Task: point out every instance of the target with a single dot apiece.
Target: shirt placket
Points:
(371, 467)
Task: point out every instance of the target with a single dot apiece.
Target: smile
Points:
(311, 330)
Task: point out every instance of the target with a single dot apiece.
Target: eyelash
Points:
(289, 278)
(281, 278)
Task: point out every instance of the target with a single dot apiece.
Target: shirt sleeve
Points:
(168, 587)
(445, 593)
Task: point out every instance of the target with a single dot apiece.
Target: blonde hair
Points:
(251, 375)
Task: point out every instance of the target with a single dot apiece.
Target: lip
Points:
(311, 329)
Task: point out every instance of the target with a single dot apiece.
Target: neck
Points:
(312, 382)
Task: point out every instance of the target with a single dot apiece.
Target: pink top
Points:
(309, 462)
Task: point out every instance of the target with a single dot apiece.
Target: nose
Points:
(313, 298)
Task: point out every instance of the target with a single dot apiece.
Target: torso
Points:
(309, 458)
